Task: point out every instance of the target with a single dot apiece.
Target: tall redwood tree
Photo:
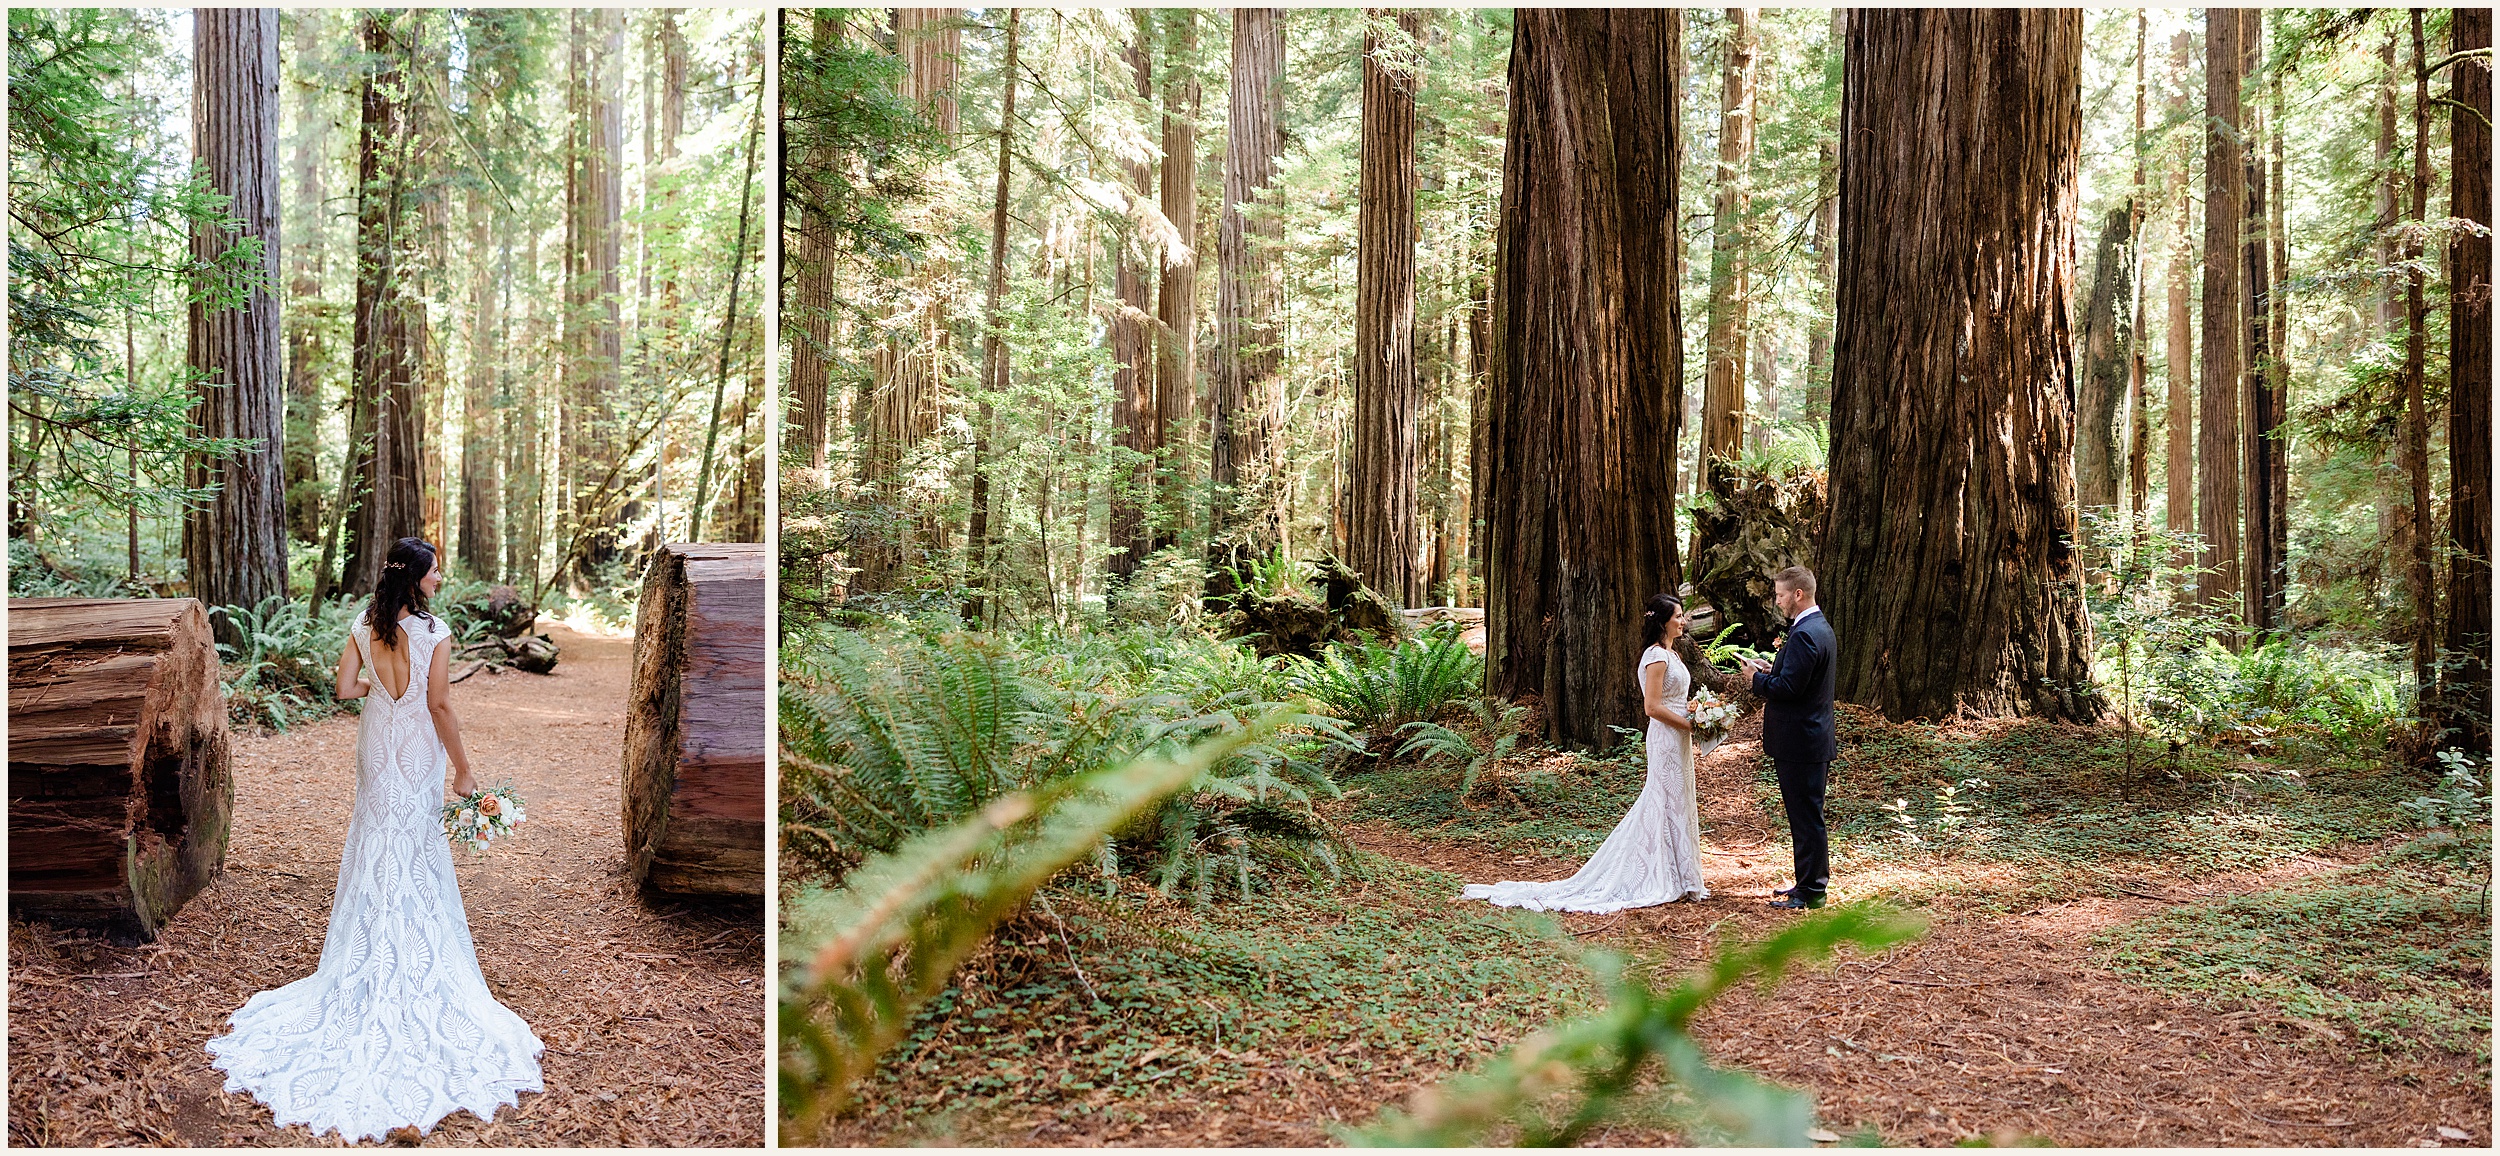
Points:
(234, 542)
(1380, 491)
(2465, 677)
(1949, 570)
(1586, 364)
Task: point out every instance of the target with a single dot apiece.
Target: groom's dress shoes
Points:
(1793, 903)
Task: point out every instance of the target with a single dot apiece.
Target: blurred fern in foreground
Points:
(861, 958)
(1557, 1084)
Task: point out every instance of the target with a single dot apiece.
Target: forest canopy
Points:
(505, 260)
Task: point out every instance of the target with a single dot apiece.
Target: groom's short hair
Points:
(1796, 578)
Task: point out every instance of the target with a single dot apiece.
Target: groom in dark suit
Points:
(1796, 690)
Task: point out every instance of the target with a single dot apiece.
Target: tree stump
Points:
(120, 797)
(694, 724)
(1756, 524)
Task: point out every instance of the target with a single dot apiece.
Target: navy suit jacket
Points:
(1797, 695)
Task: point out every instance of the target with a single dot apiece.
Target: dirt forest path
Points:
(653, 1015)
(1997, 1024)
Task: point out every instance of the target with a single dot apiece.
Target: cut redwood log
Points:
(694, 724)
(120, 798)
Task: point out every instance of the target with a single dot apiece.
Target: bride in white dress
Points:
(1654, 854)
(397, 1027)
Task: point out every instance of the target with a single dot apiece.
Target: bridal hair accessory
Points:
(394, 565)
(483, 816)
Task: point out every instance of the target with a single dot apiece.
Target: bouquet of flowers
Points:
(483, 816)
(1711, 715)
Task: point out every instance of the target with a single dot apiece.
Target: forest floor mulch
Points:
(2001, 1023)
(652, 1012)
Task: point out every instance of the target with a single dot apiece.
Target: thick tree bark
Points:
(1586, 365)
(810, 306)
(1949, 568)
(120, 797)
(1246, 520)
(1176, 297)
(2414, 447)
(1723, 374)
(481, 489)
(234, 543)
(2179, 450)
(2105, 358)
(2218, 378)
(2465, 674)
(693, 783)
(383, 432)
(2262, 599)
(1380, 505)
(1135, 411)
(994, 362)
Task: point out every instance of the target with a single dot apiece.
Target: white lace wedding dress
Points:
(397, 1026)
(1654, 854)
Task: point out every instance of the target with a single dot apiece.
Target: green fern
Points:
(888, 735)
(1588, 1068)
(1500, 722)
(863, 957)
(1381, 688)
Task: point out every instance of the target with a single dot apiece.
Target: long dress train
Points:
(396, 1027)
(1654, 854)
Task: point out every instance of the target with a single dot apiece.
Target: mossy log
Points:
(1295, 622)
(694, 724)
(120, 795)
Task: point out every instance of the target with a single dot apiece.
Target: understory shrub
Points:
(891, 732)
(1380, 688)
(281, 669)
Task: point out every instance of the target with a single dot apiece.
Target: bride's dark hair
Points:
(409, 561)
(1654, 618)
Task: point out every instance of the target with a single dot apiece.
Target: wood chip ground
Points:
(1993, 1026)
(653, 1014)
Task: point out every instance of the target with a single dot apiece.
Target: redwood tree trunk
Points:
(481, 516)
(307, 254)
(2139, 420)
(1723, 379)
(1134, 409)
(1949, 567)
(810, 306)
(993, 348)
(2262, 601)
(1176, 298)
(2465, 678)
(1818, 384)
(593, 330)
(2179, 450)
(2105, 357)
(383, 430)
(2218, 378)
(1586, 365)
(2414, 447)
(234, 542)
(1380, 505)
(1245, 520)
